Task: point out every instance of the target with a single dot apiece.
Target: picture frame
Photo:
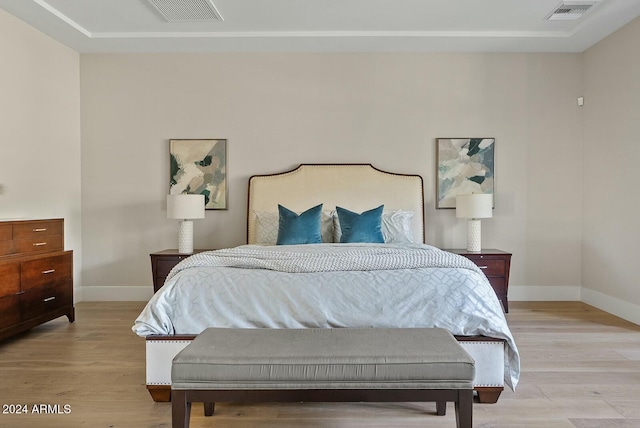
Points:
(199, 166)
(463, 166)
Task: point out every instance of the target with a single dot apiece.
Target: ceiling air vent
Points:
(570, 10)
(187, 10)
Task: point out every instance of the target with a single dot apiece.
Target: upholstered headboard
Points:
(357, 187)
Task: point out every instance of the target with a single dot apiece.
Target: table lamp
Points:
(474, 207)
(185, 207)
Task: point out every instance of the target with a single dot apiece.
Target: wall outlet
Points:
(580, 101)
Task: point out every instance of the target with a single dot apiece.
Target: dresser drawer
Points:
(46, 271)
(38, 301)
(36, 230)
(43, 244)
(6, 232)
(6, 248)
(9, 279)
(9, 311)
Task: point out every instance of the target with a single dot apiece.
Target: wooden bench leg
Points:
(441, 408)
(180, 409)
(464, 408)
(209, 409)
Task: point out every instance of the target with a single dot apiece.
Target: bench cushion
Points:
(221, 358)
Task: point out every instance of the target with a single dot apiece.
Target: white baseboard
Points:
(613, 305)
(541, 293)
(78, 295)
(116, 294)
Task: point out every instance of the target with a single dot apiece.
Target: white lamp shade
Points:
(185, 207)
(476, 205)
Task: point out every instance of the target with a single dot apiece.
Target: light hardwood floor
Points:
(580, 368)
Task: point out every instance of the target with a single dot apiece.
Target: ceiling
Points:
(325, 25)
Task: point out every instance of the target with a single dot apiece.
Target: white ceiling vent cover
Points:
(187, 10)
(570, 10)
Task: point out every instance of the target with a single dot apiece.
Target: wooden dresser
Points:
(36, 275)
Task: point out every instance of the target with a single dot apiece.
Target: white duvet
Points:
(328, 286)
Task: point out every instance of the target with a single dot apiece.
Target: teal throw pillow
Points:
(365, 227)
(301, 228)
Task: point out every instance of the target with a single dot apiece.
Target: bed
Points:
(401, 283)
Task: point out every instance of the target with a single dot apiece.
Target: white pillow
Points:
(396, 227)
(267, 223)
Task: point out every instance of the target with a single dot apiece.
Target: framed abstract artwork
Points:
(464, 166)
(200, 167)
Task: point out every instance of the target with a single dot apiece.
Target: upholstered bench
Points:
(326, 365)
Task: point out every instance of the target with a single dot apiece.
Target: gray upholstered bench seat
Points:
(249, 365)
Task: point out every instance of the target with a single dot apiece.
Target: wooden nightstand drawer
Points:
(39, 301)
(162, 262)
(46, 271)
(164, 266)
(490, 267)
(499, 285)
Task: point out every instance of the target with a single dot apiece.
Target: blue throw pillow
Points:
(365, 227)
(299, 229)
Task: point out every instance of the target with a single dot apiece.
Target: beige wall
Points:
(39, 130)
(611, 164)
(565, 200)
(278, 110)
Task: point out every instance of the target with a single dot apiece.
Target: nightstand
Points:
(495, 264)
(163, 261)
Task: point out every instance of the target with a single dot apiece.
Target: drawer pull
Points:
(48, 271)
(39, 244)
(483, 267)
(42, 229)
(48, 299)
